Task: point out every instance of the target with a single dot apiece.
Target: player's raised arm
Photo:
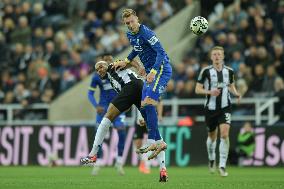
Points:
(91, 91)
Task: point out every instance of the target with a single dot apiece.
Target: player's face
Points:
(101, 70)
(217, 56)
(132, 23)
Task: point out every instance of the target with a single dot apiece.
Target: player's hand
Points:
(142, 72)
(150, 77)
(215, 92)
(239, 98)
(100, 109)
(119, 64)
(142, 123)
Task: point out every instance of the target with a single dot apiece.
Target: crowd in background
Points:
(252, 36)
(46, 48)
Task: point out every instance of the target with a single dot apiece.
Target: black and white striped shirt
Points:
(118, 78)
(213, 79)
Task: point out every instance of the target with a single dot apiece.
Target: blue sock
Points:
(143, 113)
(121, 141)
(152, 121)
(158, 135)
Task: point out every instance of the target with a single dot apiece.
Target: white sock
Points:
(100, 135)
(119, 160)
(150, 141)
(162, 159)
(211, 146)
(146, 161)
(224, 150)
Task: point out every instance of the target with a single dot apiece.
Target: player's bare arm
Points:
(199, 89)
(140, 69)
(233, 90)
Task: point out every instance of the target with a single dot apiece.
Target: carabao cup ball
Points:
(199, 25)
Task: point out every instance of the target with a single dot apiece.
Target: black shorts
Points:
(214, 118)
(139, 131)
(130, 94)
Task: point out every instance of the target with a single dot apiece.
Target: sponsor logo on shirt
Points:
(153, 40)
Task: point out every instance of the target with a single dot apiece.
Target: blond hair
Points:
(127, 12)
(216, 48)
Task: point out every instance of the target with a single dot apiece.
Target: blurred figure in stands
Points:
(246, 143)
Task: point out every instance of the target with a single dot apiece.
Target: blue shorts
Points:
(155, 89)
(119, 122)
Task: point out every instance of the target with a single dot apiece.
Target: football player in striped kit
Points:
(217, 82)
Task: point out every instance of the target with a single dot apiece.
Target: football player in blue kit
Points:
(157, 65)
(107, 94)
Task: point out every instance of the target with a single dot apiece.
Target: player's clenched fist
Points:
(119, 64)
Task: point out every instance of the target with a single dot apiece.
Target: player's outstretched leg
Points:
(101, 133)
(150, 115)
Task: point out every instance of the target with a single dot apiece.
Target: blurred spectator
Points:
(38, 16)
(258, 78)
(269, 80)
(163, 10)
(22, 34)
(236, 60)
(279, 92)
(8, 28)
(170, 90)
(50, 55)
(92, 23)
(188, 91)
(21, 94)
(246, 142)
(4, 52)
(263, 57)
(54, 7)
(79, 69)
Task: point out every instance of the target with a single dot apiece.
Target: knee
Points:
(110, 116)
(224, 134)
(112, 112)
(213, 137)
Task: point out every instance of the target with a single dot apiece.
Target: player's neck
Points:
(218, 66)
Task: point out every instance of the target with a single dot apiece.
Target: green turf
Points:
(190, 177)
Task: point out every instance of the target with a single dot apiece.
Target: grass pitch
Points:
(188, 178)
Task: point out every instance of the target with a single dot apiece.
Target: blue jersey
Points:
(107, 93)
(149, 49)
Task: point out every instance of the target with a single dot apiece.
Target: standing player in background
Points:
(157, 65)
(217, 82)
(107, 94)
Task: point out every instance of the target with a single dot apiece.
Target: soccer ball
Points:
(199, 25)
